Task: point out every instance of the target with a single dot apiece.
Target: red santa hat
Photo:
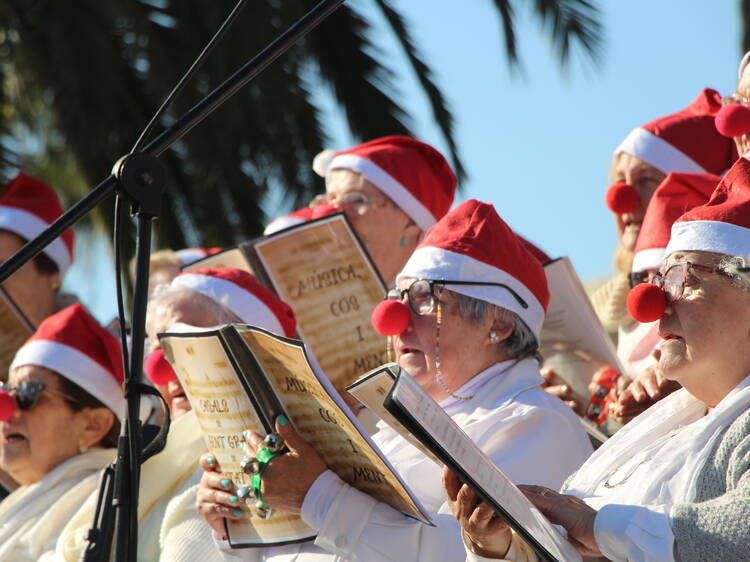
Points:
(472, 243)
(722, 225)
(241, 293)
(677, 194)
(192, 255)
(298, 217)
(72, 343)
(413, 174)
(27, 207)
(685, 141)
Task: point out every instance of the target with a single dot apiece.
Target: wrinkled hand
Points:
(563, 391)
(569, 512)
(287, 478)
(643, 392)
(216, 499)
(484, 534)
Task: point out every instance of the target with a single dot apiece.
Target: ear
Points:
(503, 326)
(96, 424)
(412, 234)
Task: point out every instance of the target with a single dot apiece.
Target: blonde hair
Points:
(338, 176)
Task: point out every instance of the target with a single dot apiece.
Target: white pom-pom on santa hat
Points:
(322, 161)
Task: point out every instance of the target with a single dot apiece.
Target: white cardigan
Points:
(534, 437)
(32, 517)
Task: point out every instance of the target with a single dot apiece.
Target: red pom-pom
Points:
(157, 368)
(390, 317)
(7, 405)
(733, 120)
(622, 198)
(646, 302)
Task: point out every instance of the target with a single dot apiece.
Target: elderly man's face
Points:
(188, 308)
(706, 333)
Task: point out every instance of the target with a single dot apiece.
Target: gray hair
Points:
(731, 266)
(521, 343)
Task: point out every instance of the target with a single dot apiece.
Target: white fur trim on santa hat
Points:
(435, 264)
(649, 258)
(709, 236)
(29, 226)
(244, 304)
(659, 153)
(190, 255)
(77, 367)
(388, 185)
(280, 223)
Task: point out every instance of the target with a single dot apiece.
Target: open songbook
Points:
(323, 272)
(238, 377)
(419, 418)
(574, 344)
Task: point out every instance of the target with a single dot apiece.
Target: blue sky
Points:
(537, 145)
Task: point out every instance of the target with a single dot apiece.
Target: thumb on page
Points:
(293, 440)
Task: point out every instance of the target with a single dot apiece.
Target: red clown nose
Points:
(7, 405)
(157, 368)
(390, 317)
(733, 120)
(622, 198)
(646, 302)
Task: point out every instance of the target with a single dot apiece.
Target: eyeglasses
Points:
(673, 280)
(422, 299)
(27, 393)
(356, 201)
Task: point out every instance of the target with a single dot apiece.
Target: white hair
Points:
(165, 294)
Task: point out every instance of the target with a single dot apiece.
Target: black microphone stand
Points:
(139, 177)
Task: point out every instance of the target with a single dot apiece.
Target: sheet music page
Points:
(234, 257)
(224, 411)
(322, 272)
(410, 396)
(323, 420)
(372, 388)
(573, 343)
(14, 334)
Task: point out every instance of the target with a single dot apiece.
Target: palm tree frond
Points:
(440, 110)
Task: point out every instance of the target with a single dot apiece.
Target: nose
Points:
(390, 317)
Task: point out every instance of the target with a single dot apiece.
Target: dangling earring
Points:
(402, 242)
(389, 355)
(438, 373)
(54, 285)
(82, 449)
(493, 336)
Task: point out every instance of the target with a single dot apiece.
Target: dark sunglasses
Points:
(422, 299)
(635, 278)
(27, 393)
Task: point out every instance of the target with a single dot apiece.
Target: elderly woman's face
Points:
(378, 222)
(463, 346)
(33, 291)
(36, 440)
(645, 179)
(706, 333)
(188, 308)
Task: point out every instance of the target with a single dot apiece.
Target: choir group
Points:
(468, 297)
